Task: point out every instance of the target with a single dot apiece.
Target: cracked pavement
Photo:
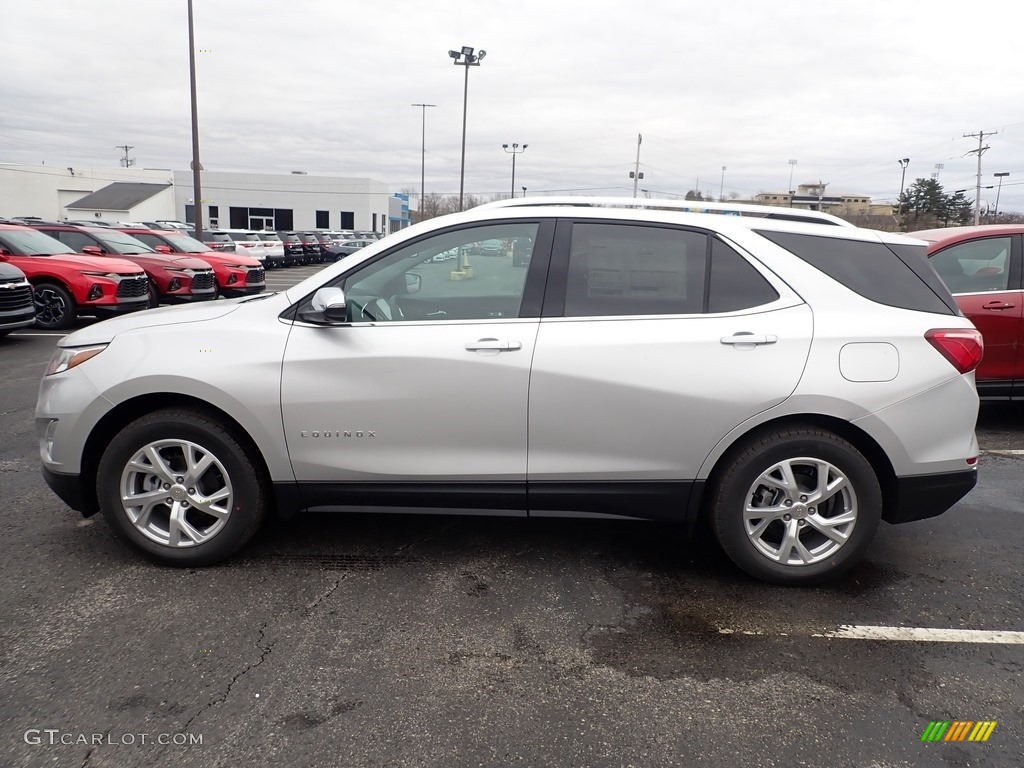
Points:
(432, 641)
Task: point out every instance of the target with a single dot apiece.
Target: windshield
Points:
(118, 242)
(186, 244)
(31, 243)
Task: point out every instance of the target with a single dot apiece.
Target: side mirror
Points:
(328, 306)
(92, 250)
(163, 249)
(4, 253)
(413, 282)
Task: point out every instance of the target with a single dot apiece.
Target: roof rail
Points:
(687, 206)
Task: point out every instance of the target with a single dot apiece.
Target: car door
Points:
(663, 340)
(419, 397)
(984, 275)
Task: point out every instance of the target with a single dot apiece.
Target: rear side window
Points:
(623, 269)
(870, 269)
(734, 284)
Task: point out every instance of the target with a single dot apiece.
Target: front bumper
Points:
(922, 496)
(69, 489)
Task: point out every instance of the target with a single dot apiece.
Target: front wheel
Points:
(178, 486)
(798, 506)
(55, 307)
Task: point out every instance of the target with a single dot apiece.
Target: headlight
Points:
(66, 358)
(111, 275)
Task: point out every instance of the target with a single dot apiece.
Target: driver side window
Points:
(468, 274)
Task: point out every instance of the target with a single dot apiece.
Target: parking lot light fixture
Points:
(514, 149)
(999, 188)
(423, 155)
(465, 58)
(904, 162)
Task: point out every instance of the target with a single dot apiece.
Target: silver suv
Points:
(790, 382)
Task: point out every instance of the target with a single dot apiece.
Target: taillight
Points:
(963, 347)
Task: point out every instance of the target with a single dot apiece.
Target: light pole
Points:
(904, 162)
(197, 185)
(466, 58)
(524, 191)
(514, 149)
(999, 188)
(721, 187)
(423, 155)
(792, 167)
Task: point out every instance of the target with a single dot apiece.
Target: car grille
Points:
(132, 287)
(202, 281)
(255, 276)
(15, 295)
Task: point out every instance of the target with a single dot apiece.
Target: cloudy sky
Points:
(844, 88)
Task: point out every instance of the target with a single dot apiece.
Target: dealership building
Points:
(297, 200)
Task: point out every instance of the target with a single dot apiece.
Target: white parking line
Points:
(1002, 452)
(924, 635)
(55, 335)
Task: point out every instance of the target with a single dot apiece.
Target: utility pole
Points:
(636, 172)
(126, 162)
(980, 136)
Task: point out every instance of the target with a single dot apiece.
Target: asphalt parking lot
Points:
(450, 641)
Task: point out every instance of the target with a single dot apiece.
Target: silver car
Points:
(791, 382)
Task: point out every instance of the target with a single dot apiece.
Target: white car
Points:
(249, 242)
(791, 383)
(273, 245)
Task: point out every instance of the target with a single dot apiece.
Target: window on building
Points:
(323, 219)
(348, 220)
(190, 214)
(375, 222)
(214, 211)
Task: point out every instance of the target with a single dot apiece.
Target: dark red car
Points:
(237, 273)
(172, 278)
(982, 267)
(67, 284)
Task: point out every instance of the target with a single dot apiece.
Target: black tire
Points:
(55, 306)
(152, 297)
(233, 467)
(739, 482)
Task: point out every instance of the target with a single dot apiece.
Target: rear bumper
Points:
(922, 496)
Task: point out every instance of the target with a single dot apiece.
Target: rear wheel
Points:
(179, 487)
(797, 506)
(55, 307)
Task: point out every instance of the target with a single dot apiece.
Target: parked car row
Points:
(287, 248)
(74, 269)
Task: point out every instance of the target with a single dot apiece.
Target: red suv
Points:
(172, 278)
(237, 274)
(982, 267)
(67, 284)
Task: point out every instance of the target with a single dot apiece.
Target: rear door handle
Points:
(749, 338)
(500, 346)
(998, 305)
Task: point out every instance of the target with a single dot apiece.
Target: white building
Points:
(244, 200)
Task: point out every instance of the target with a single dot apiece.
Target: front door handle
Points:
(749, 338)
(997, 305)
(494, 344)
